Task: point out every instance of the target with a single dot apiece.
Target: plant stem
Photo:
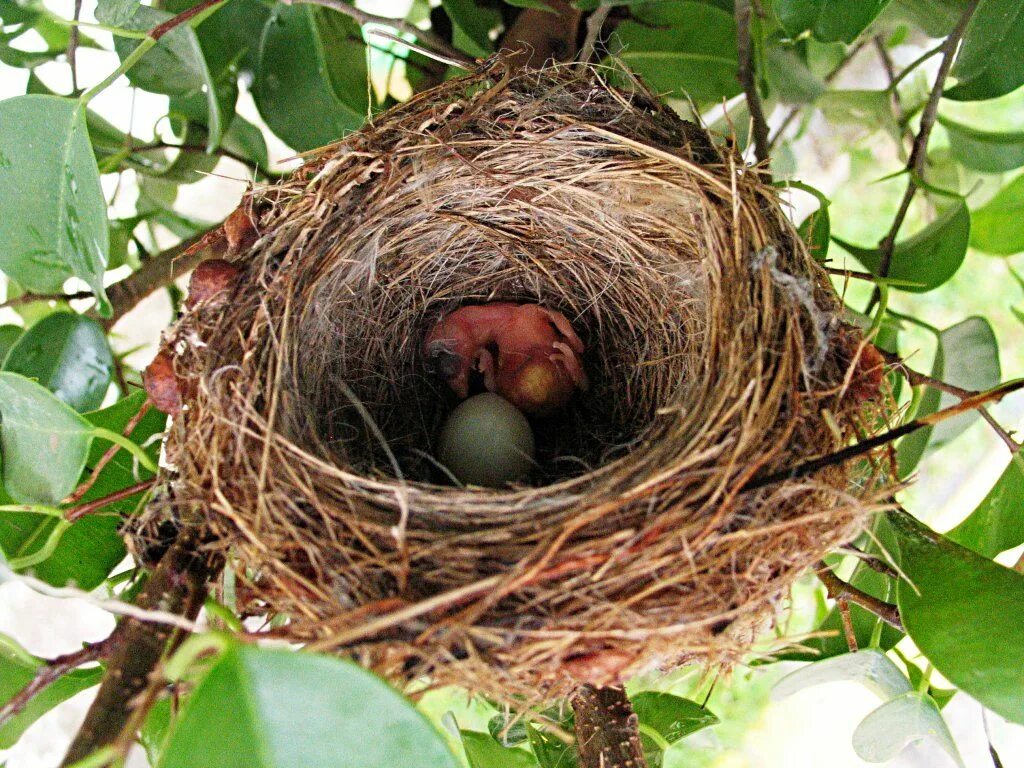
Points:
(125, 493)
(745, 73)
(839, 590)
(135, 450)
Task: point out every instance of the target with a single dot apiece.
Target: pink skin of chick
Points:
(528, 354)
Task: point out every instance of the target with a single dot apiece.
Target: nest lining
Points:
(713, 345)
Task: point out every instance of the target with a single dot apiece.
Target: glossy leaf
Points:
(17, 669)
(816, 231)
(54, 222)
(971, 345)
(828, 20)
(963, 612)
(897, 724)
(989, 62)
(482, 751)
(673, 717)
(68, 354)
(929, 258)
(115, 13)
(682, 48)
(43, 442)
(870, 667)
(982, 150)
(996, 524)
(176, 66)
(311, 78)
(472, 25)
(9, 334)
(998, 226)
(551, 751)
(274, 708)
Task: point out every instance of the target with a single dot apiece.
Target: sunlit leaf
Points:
(897, 724)
(983, 150)
(44, 443)
(482, 751)
(551, 751)
(870, 667)
(311, 85)
(673, 717)
(996, 524)
(68, 354)
(998, 226)
(114, 13)
(989, 62)
(682, 48)
(963, 612)
(274, 708)
(54, 222)
(927, 259)
(828, 20)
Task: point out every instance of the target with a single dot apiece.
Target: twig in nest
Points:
(840, 590)
(607, 729)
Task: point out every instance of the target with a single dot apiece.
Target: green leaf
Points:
(68, 354)
(816, 231)
(272, 708)
(115, 13)
(897, 724)
(789, 78)
(860, 108)
(175, 66)
(9, 334)
(671, 716)
(989, 63)
(508, 735)
(828, 20)
(682, 48)
(231, 36)
(998, 226)
(472, 26)
(996, 524)
(972, 344)
(869, 667)
(927, 259)
(482, 751)
(44, 443)
(245, 139)
(963, 612)
(311, 85)
(551, 751)
(17, 669)
(538, 5)
(54, 222)
(982, 150)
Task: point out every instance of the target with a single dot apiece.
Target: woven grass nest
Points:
(714, 347)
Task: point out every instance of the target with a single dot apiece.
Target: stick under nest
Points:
(714, 347)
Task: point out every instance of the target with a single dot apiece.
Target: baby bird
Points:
(528, 354)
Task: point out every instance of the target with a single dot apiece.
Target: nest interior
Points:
(713, 344)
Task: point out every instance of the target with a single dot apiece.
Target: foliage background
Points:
(843, 160)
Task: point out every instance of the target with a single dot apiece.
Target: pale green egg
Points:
(487, 441)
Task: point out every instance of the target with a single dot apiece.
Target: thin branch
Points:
(873, 562)
(839, 590)
(866, 446)
(88, 508)
(187, 15)
(595, 23)
(73, 36)
(82, 489)
(50, 672)
(745, 73)
(196, 149)
(28, 298)
(424, 36)
(919, 150)
(894, 94)
(160, 270)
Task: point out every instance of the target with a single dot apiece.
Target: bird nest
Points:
(660, 525)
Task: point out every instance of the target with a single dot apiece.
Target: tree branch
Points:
(125, 493)
(919, 150)
(745, 73)
(28, 298)
(839, 590)
(607, 730)
(177, 585)
(595, 23)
